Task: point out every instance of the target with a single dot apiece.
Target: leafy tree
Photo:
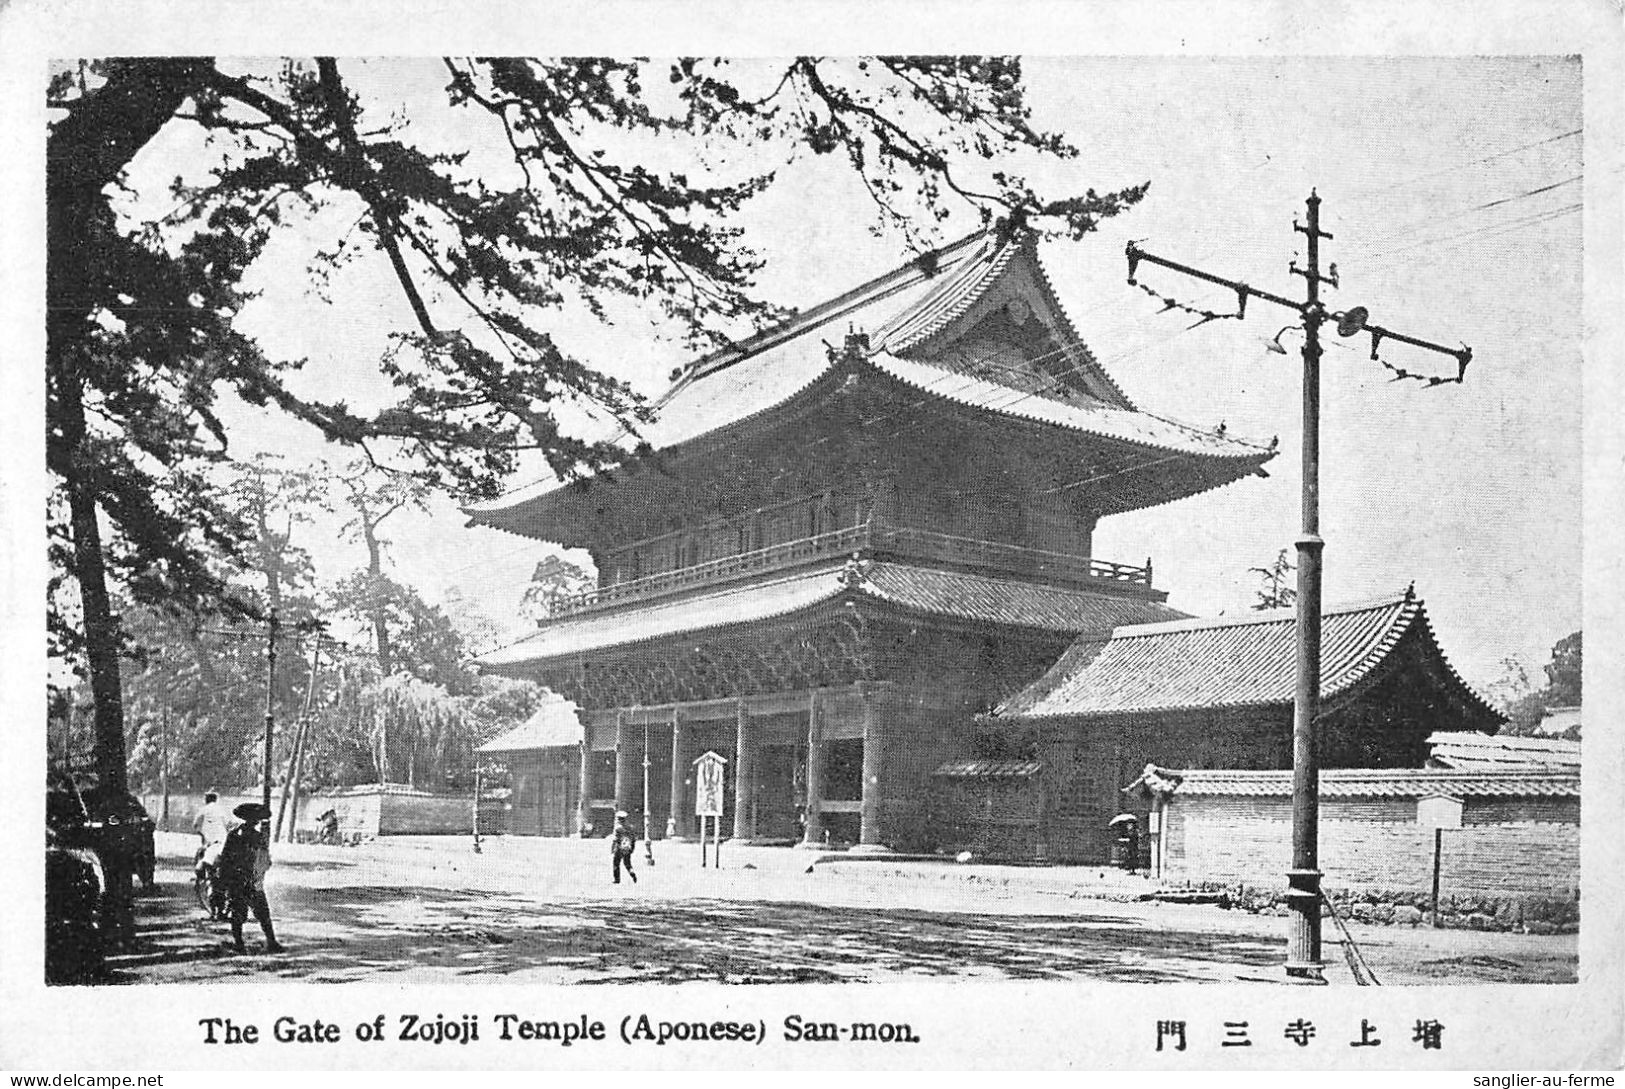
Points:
(1563, 672)
(476, 628)
(420, 638)
(141, 335)
(1511, 686)
(1526, 708)
(196, 680)
(373, 497)
(420, 730)
(1276, 591)
(554, 582)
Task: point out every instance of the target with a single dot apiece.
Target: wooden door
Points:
(555, 805)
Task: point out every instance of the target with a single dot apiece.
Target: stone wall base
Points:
(1391, 907)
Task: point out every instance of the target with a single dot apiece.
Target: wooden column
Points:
(744, 778)
(873, 758)
(676, 809)
(814, 836)
(626, 773)
(584, 793)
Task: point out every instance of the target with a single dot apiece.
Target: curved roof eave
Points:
(1130, 426)
(1359, 656)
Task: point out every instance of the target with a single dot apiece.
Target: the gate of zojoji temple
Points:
(834, 559)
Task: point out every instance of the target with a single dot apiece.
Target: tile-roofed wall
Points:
(1390, 783)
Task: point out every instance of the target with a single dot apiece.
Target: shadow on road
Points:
(360, 932)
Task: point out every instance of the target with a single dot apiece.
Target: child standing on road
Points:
(621, 842)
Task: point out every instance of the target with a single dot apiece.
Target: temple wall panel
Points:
(601, 731)
(922, 727)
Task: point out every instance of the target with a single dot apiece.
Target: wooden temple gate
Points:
(825, 561)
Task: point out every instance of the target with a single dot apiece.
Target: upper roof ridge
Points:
(1267, 616)
(923, 266)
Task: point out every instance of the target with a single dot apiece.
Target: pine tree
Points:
(141, 334)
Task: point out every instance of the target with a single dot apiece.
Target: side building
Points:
(1060, 759)
(828, 560)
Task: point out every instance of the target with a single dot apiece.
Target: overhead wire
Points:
(1356, 245)
(1489, 230)
(1363, 195)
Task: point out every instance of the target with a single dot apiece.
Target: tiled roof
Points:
(673, 616)
(1465, 749)
(988, 769)
(1007, 601)
(554, 723)
(954, 292)
(767, 370)
(901, 309)
(1390, 783)
(1558, 719)
(1091, 417)
(1248, 661)
(930, 591)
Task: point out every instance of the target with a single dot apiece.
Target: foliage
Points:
(1563, 672)
(196, 700)
(1276, 592)
(1524, 707)
(424, 643)
(141, 334)
(553, 583)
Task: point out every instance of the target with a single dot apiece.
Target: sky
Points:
(1452, 189)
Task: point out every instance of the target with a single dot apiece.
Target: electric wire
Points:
(1411, 228)
(1362, 195)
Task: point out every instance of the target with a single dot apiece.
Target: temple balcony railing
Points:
(991, 557)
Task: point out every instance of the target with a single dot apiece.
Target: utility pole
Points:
(288, 804)
(163, 770)
(1303, 958)
(648, 847)
(270, 700)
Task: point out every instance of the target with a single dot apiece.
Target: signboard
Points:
(1438, 811)
(708, 785)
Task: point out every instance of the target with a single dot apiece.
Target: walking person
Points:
(244, 860)
(622, 841)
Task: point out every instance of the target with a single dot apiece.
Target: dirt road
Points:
(530, 910)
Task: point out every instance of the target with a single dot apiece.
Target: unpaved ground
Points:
(529, 910)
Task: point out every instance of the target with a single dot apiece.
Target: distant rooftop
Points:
(1467, 750)
(1245, 661)
(555, 723)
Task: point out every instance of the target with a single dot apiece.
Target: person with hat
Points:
(622, 840)
(244, 860)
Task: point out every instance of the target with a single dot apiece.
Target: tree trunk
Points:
(85, 151)
(375, 570)
(90, 571)
(380, 732)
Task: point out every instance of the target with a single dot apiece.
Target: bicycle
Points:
(204, 886)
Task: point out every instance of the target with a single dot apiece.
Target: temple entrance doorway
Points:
(780, 791)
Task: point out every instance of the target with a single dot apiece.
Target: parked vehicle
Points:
(115, 825)
(75, 885)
